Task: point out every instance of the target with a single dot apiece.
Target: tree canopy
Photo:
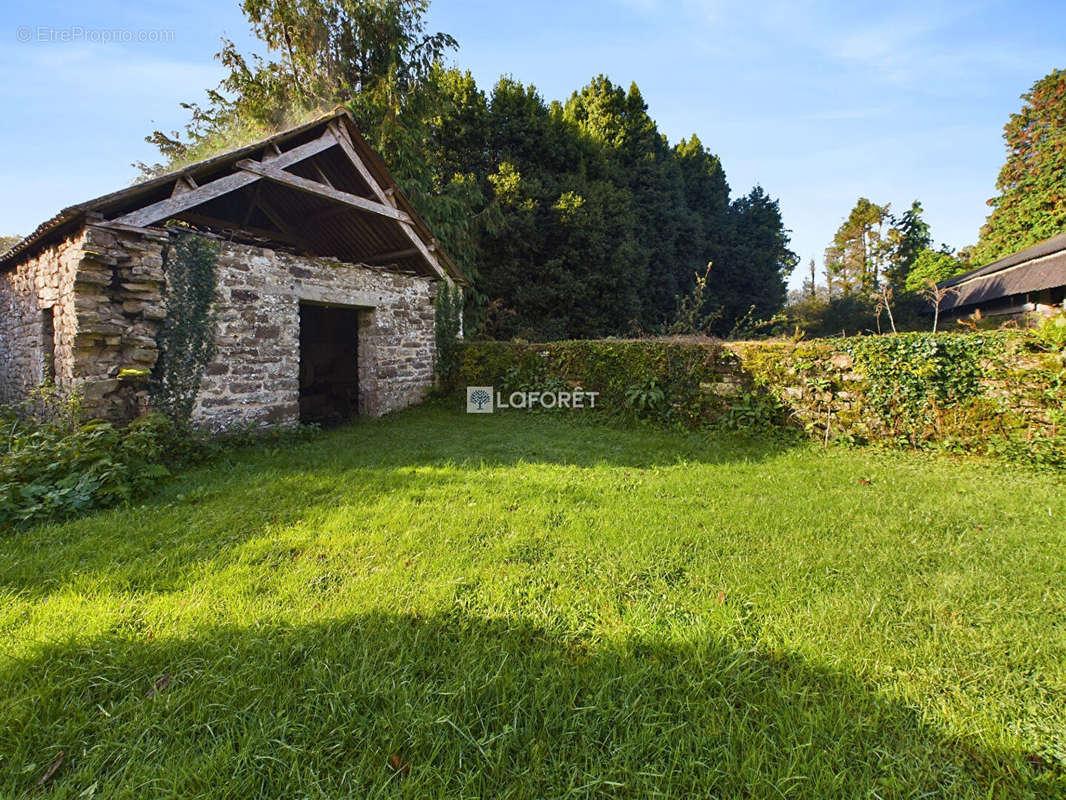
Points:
(932, 266)
(1031, 204)
(572, 219)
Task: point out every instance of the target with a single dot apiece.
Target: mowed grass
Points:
(443, 605)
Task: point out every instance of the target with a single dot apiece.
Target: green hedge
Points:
(671, 382)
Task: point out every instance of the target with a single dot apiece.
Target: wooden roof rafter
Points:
(231, 182)
(317, 188)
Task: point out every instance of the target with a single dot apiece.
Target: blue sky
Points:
(820, 102)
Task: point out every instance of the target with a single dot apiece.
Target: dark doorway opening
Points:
(329, 359)
(48, 344)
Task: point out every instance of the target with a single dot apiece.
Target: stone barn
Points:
(324, 281)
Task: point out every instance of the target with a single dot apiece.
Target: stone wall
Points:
(104, 288)
(43, 282)
(254, 377)
(118, 297)
(1015, 404)
(107, 287)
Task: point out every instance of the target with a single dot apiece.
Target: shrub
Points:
(449, 317)
(48, 471)
(1050, 334)
(56, 468)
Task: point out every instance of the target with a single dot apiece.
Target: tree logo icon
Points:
(478, 399)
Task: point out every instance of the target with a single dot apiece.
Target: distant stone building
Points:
(326, 280)
(1032, 281)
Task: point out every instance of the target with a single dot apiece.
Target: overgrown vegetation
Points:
(55, 464)
(911, 379)
(573, 219)
(452, 605)
(671, 382)
(59, 467)
(449, 322)
(187, 337)
(985, 393)
(1050, 334)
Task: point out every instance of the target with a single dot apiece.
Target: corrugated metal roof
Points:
(348, 235)
(1042, 266)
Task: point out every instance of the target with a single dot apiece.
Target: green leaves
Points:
(449, 320)
(1051, 333)
(646, 396)
(1031, 205)
(931, 265)
(913, 376)
(187, 337)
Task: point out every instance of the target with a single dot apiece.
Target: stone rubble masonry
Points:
(254, 377)
(107, 287)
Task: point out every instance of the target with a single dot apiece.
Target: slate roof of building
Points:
(1042, 266)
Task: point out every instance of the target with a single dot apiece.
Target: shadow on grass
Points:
(470, 707)
(214, 509)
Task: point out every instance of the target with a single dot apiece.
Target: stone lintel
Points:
(341, 297)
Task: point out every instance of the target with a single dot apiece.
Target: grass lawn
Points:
(443, 605)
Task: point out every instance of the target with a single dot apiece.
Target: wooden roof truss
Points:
(319, 197)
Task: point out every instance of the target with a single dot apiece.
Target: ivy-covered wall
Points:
(980, 393)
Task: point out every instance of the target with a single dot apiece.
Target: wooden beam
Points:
(336, 127)
(394, 255)
(251, 206)
(173, 206)
(182, 185)
(272, 214)
(321, 175)
(384, 195)
(317, 189)
(423, 248)
(236, 228)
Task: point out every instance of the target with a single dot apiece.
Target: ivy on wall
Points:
(987, 393)
(186, 339)
(913, 377)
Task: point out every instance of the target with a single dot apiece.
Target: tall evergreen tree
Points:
(754, 280)
(910, 238)
(1031, 205)
(857, 256)
(572, 220)
(642, 162)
